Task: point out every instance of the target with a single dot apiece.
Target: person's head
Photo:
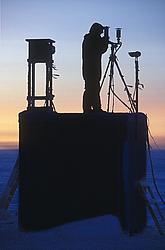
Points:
(96, 29)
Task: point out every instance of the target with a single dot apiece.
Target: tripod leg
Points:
(126, 88)
(102, 82)
(110, 82)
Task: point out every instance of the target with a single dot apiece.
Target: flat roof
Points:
(40, 40)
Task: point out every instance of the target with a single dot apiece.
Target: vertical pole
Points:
(112, 57)
(50, 79)
(29, 84)
(33, 84)
(136, 84)
(47, 84)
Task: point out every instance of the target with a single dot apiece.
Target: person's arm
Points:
(104, 44)
(105, 40)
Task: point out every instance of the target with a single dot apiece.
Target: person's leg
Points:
(86, 101)
(96, 102)
(87, 96)
(91, 96)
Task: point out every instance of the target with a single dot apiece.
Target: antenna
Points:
(136, 54)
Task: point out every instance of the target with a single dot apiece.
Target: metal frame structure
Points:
(40, 51)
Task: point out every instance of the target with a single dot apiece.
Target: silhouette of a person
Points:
(93, 47)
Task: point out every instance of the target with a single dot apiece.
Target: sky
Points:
(66, 22)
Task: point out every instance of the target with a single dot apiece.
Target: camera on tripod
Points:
(132, 98)
(135, 54)
(118, 34)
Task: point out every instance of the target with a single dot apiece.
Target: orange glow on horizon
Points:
(71, 102)
(8, 145)
(9, 134)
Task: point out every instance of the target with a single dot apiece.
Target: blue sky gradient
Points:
(67, 21)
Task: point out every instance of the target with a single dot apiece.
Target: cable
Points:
(121, 100)
(126, 88)
(152, 168)
(153, 139)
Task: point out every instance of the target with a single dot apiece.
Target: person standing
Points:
(93, 47)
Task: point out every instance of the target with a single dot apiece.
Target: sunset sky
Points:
(66, 22)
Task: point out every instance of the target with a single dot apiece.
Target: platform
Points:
(77, 166)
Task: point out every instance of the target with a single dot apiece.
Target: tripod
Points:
(111, 63)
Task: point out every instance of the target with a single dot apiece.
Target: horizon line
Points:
(9, 145)
(14, 145)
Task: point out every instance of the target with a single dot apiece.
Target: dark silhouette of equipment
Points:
(10, 188)
(67, 170)
(152, 205)
(136, 54)
(40, 51)
(118, 34)
(115, 46)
